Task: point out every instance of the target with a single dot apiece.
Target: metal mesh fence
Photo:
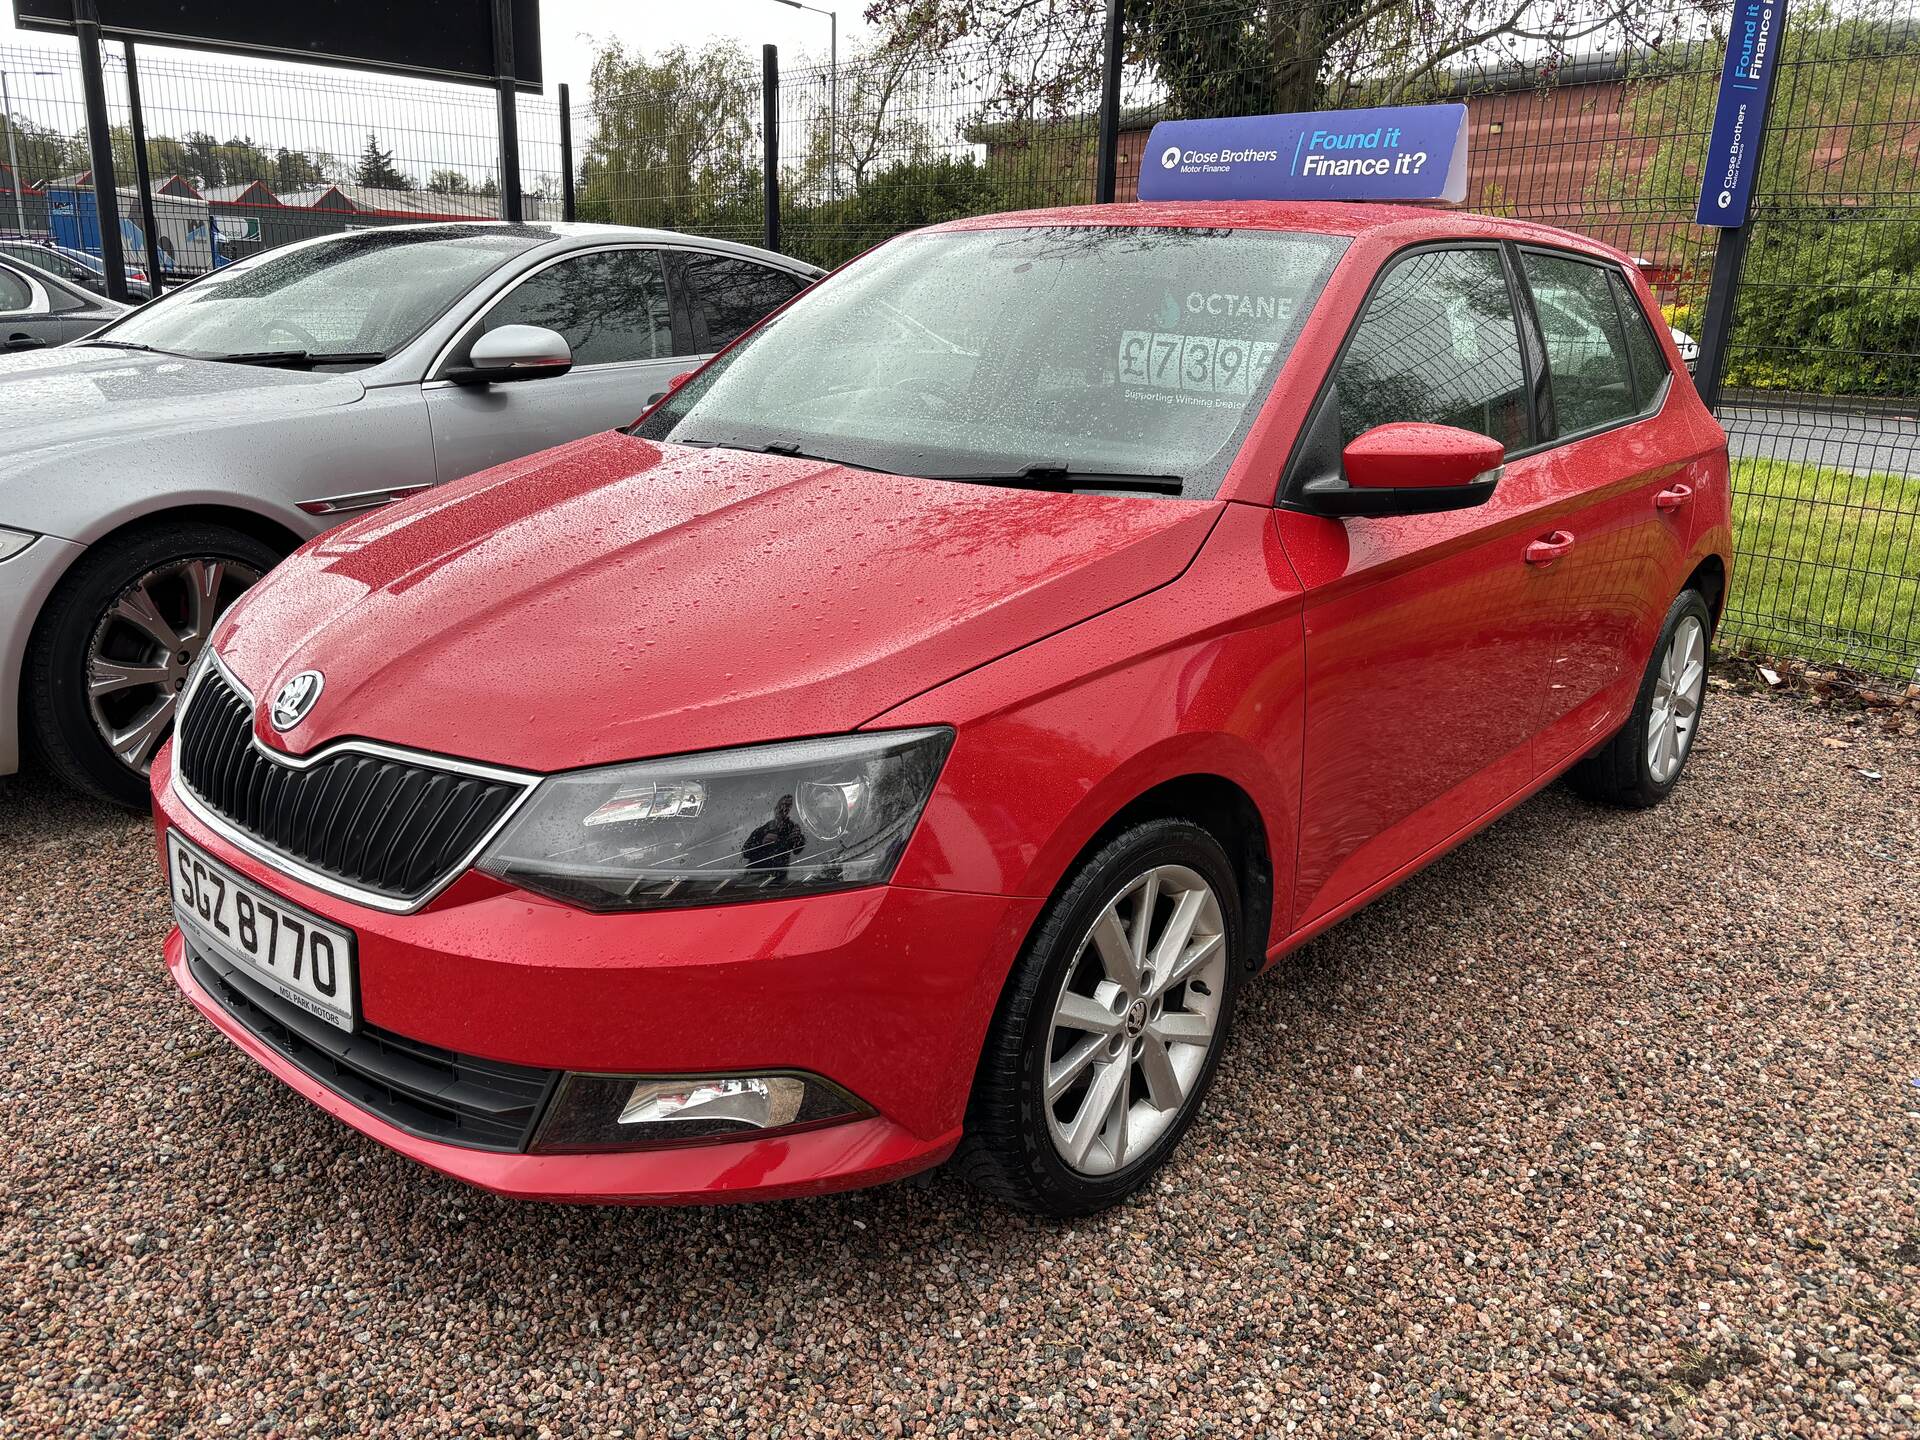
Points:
(267, 153)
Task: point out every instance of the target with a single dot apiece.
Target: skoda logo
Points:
(295, 699)
(1169, 157)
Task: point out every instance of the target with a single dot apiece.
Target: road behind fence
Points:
(1582, 113)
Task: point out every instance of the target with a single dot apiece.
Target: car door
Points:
(28, 318)
(612, 307)
(1609, 590)
(1424, 656)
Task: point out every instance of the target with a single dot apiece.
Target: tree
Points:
(44, 153)
(448, 182)
(299, 170)
(882, 96)
(201, 160)
(673, 137)
(376, 168)
(1038, 59)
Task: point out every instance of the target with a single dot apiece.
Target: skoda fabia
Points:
(908, 738)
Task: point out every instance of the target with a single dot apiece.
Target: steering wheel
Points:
(303, 338)
(930, 393)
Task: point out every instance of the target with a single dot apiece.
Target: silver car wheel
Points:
(1676, 699)
(1135, 1020)
(144, 644)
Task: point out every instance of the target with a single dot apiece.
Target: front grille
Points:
(391, 827)
(422, 1089)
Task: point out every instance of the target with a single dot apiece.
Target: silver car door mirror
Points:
(514, 352)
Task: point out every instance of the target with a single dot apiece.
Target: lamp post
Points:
(833, 83)
(13, 157)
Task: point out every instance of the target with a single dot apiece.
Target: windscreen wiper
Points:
(1055, 475)
(789, 449)
(124, 345)
(298, 359)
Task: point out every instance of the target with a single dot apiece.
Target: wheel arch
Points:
(267, 531)
(1226, 811)
(261, 528)
(1709, 577)
(264, 528)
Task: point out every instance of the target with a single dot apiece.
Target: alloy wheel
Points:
(1676, 699)
(144, 644)
(1135, 1020)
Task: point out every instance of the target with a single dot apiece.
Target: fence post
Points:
(770, 141)
(1729, 260)
(106, 199)
(510, 207)
(144, 179)
(566, 155)
(1107, 160)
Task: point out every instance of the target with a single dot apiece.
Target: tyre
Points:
(1111, 1025)
(112, 648)
(1642, 763)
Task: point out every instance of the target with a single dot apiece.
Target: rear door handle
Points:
(1673, 499)
(1545, 552)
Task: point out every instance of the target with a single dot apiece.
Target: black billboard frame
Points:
(431, 26)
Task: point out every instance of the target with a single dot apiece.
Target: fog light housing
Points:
(642, 1112)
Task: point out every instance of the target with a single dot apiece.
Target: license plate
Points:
(290, 951)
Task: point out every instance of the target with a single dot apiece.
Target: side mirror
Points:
(1409, 468)
(513, 352)
(672, 385)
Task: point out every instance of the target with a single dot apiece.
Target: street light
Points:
(833, 83)
(13, 157)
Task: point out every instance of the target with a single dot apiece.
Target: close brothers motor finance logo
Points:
(1170, 157)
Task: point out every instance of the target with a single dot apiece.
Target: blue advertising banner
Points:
(1400, 152)
(1740, 114)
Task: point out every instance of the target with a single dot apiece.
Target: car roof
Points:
(1405, 224)
(572, 234)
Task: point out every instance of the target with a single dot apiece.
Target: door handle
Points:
(1545, 552)
(1671, 500)
(22, 341)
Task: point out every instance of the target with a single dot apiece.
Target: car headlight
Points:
(12, 542)
(766, 821)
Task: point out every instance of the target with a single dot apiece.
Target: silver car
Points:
(152, 472)
(37, 310)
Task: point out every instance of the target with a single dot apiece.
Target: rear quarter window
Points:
(1650, 370)
(1587, 366)
(727, 295)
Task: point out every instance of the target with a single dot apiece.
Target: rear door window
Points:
(727, 295)
(610, 305)
(1589, 375)
(1438, 343)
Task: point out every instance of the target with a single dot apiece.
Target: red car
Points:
(905, 741)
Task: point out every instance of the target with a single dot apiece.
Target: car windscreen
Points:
(1115, 350)
(363, 294)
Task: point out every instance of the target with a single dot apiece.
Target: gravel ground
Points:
(1606, 1124)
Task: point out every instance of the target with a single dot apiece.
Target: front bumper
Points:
(886, 992)
(25, 582)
